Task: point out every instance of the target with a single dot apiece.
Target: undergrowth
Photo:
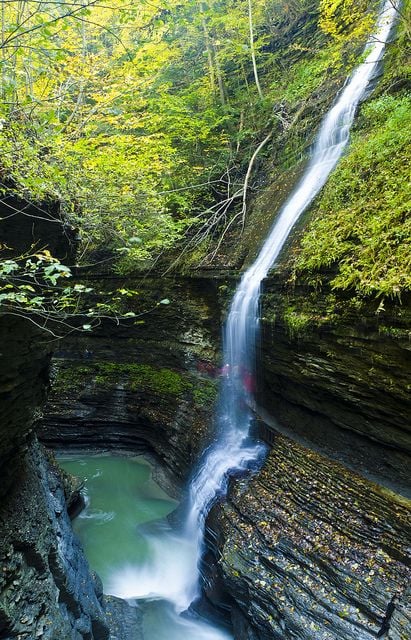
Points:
(361, 225)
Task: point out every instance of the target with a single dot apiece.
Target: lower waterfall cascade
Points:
(172, 574)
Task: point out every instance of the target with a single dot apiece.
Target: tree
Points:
(142, 119)
(252, 47)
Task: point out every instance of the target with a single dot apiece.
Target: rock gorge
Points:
(309, 544)
(315, 545)
(318, 539)
(47, 588)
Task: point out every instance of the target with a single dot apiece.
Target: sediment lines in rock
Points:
(314, 551)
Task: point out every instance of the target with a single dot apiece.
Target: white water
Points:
(174, 574)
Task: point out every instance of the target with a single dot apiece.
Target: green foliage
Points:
(306, 76)
(361, 226)
(394, 332)
(340, 18)
(161, 381)
(139, 117)
(141, 120)
(296, 321)
(38, 287)
(32, 284)
(70, 380)
(397, 67)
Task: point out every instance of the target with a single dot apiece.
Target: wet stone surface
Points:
(310, 550)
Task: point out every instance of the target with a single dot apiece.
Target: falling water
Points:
(174, 575)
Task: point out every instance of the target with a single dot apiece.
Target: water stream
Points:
(171, 572)
(177, 580)
(125, 508)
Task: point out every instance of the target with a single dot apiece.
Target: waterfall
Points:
(174, 575)
(231, 451)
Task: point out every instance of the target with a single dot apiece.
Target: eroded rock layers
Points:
(336, 372)
(146, 388)
(311, 550)
(46, 587)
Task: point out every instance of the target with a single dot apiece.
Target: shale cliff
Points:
(313, 551)
(46, 587)
(146, 387)
(316, 545)
(336, 372)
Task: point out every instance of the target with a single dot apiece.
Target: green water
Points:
(121, 496)
(124, 516)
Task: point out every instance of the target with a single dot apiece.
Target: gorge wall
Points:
(310, 550)
(336, 372)
(147, 387)
(46, 587)
(314, 547)
(309, 544)
(316, 544)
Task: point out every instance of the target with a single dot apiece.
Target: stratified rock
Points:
(24, 367)
(335, 372)
(46, 587)
(145, 388)
(314, 552)
(25, 350)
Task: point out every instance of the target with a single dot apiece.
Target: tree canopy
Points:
(145, 119)
(139, 116)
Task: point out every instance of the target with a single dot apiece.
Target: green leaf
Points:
(8, 266)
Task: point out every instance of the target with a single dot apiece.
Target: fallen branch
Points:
(243, 211)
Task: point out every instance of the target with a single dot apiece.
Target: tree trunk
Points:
(252, 47)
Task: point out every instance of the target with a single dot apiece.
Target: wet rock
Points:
(126, 619)
(397, 622)
(23, 358)
(335, 373)
(150, 389)
(46, 587)
(312, 551)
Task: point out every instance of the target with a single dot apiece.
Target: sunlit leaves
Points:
(38, 287)
(337, 17)
(130, 113)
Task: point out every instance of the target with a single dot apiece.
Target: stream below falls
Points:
(160, 564)
(125, 510)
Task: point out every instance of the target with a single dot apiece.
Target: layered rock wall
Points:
(23, 359)
(143, 387)
(312, 551)
(336, 374)
(46, 587)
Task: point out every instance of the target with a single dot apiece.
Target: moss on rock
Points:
(361, 223)
(160, 381)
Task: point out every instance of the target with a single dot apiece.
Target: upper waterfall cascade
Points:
(174, 575)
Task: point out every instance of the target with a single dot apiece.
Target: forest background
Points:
(148, 123)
